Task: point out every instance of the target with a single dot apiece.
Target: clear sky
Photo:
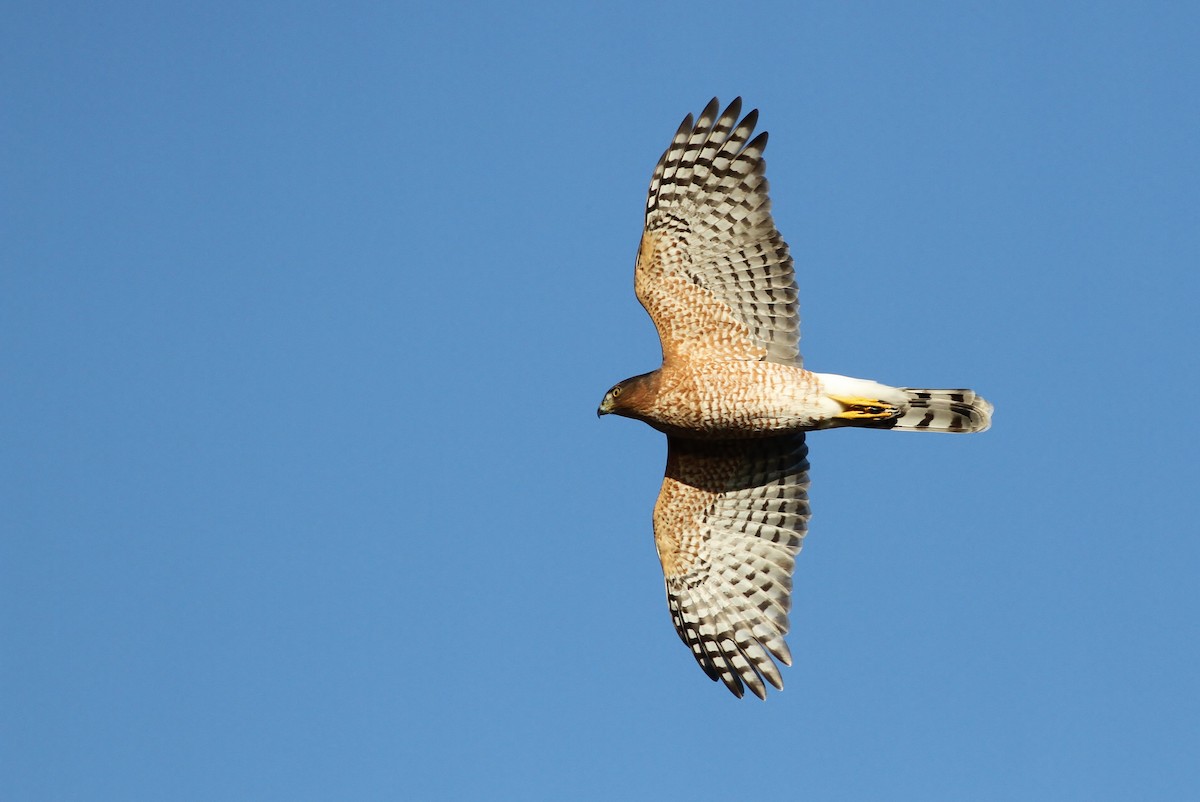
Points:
(305, 311)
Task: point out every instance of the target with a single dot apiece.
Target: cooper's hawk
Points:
(735, 401)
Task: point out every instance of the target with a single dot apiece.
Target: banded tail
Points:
(870, 405)
(941, 411)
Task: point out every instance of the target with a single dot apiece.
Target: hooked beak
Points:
(605, 407)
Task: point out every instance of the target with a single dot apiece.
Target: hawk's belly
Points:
(740, 399)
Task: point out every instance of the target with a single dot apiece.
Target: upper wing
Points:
(712, 271)
(728, 523)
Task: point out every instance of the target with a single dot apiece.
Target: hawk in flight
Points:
(735, 401)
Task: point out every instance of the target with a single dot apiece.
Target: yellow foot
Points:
(859, 408)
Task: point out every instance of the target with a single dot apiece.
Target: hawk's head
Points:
(629, 397)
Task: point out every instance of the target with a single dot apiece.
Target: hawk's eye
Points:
(616, 391)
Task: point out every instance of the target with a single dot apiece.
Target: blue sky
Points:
(305, 310)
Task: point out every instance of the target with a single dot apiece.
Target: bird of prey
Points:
(735, 401)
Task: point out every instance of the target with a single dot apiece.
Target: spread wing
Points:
(728, 523)
(712, 271)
